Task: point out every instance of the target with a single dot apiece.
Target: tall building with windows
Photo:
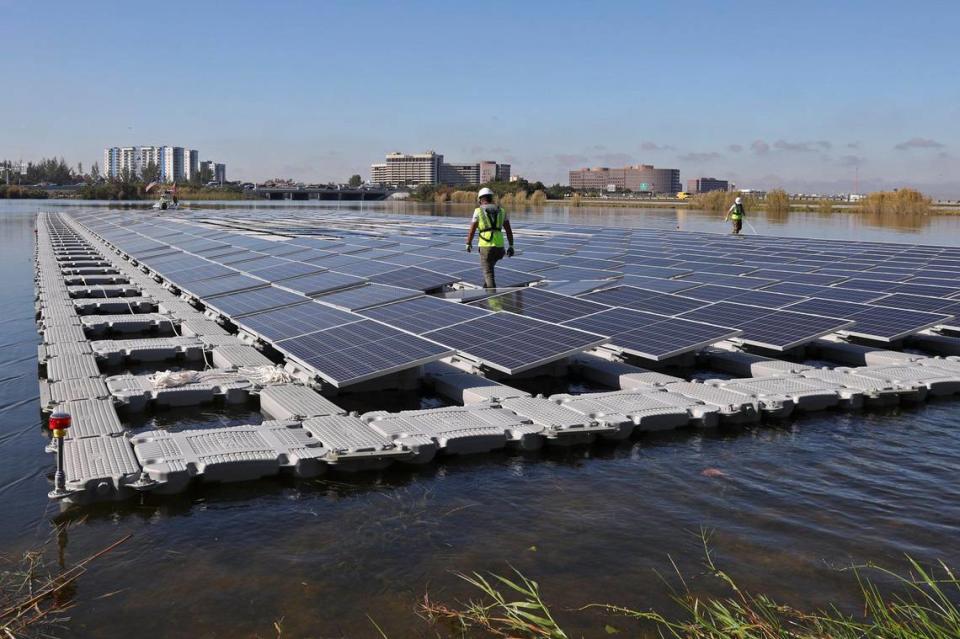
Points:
(641, 178)
(217, 170)
(429, 168)
(173, 163)
(707, 184)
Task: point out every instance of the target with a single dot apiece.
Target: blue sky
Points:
(764, 93)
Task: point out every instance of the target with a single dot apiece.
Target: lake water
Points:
(795, 504)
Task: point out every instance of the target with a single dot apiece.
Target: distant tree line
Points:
(47, 170)
(504, 190)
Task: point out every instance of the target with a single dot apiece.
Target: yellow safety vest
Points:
(737, 212)
(490, 231)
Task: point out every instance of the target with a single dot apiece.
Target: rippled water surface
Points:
(795, 503)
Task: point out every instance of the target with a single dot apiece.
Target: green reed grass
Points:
(919, 605)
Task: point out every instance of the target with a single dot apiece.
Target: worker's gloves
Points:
(469, 248)
(510, 252)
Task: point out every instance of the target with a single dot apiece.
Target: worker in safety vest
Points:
(735, 213)
(489, 222)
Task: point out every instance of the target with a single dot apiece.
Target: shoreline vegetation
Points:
(777, 201)
(921, 603)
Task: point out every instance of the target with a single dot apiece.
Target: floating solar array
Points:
(316, 283)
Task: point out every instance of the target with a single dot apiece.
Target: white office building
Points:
(429, 168)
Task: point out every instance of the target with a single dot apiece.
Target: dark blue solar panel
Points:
(521, 343)
(765, 299)
(287, 271)
(744, 281)
(651, 336)
(776, 329)
(415, 278)
(653, 283)
(366, 296)
(320, 283)
(423, 314)
(261, 299)
(876, 322)
(540, 304)
(222, 285)
(359, 351)
(283, 323)
(643, 300)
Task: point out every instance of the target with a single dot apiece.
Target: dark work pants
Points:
(489, 256)
(737, 226)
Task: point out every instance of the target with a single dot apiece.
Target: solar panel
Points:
(513, 343)
(423, 314)
(635, 260)
(205, 272)
(640, 299)
(919, 303)
(925, 289)
(262, 299)
(775, 329)
(720, 269)
(576, 287)
(654, 271)
(742, 281)
(530, 265)
(406, 259)
(365, 268)
(252, 266)
(222, 285)
(280, 249)
(284, 323)
(588, 262)
(287, 271)
(367, 296)
(820, 279)
(874, 322)
(868, 285)
(654, 283)
(824, 292)
(506, 277)
(573, 273)
(540, 304)
(320, 283)
(649, 335)
(357, 352)
(239, 258)
(765, 299)
(415, 278)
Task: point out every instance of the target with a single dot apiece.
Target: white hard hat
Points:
(738, 201)
(485, 191)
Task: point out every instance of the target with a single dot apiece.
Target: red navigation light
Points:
(59, 420)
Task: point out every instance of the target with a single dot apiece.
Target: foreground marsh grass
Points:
(918, 605)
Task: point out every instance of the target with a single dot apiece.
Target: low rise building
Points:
(707, 184)
(640, 178)
(429, 168)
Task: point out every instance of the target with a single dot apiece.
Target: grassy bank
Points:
(918, 604)
(15, 192)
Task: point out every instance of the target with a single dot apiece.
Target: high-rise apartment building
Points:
(173, 163)
(429, 168)
(217, 171)
(641, 178)
(707, 184)
(171, 170)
